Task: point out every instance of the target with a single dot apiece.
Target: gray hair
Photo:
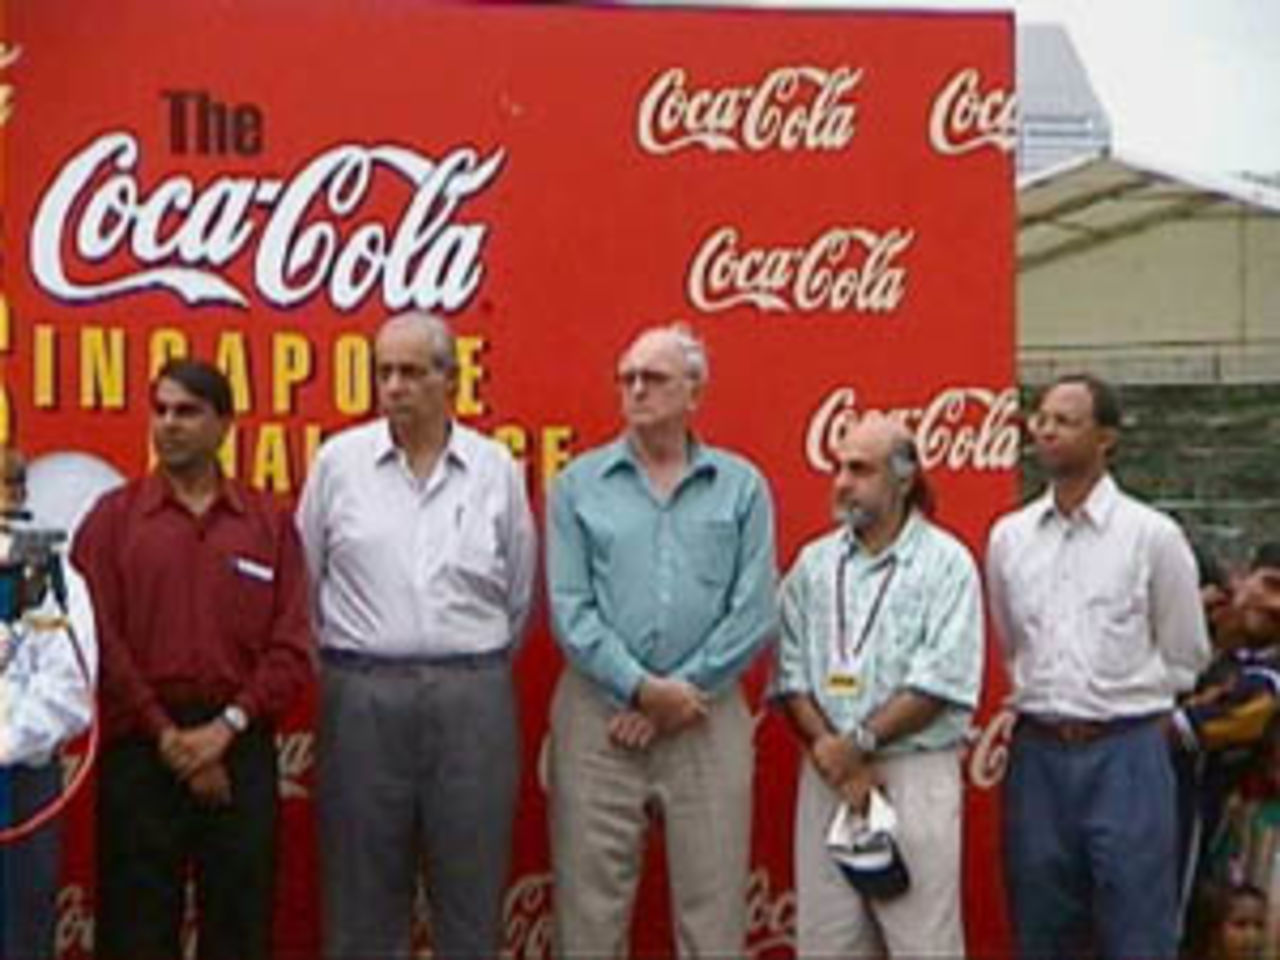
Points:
(692, 350)
(444, 345)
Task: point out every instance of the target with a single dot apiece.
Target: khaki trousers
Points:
(602, 798)
(833, 920)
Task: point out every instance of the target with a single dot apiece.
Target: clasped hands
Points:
(844, 768)
(194, 754)
(664, 705)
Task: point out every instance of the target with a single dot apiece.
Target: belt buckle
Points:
(1076, 732)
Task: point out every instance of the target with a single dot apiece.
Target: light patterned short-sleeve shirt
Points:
(857, 629)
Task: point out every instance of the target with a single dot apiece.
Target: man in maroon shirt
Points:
(200, 596)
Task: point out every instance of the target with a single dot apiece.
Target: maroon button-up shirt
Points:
(194, 610)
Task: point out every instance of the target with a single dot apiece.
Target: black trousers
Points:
(153, 835)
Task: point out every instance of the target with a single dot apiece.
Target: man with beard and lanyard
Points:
(879, 670)
(1095, 598)
(422, 553)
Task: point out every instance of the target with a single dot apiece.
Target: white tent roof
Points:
(1099, 197)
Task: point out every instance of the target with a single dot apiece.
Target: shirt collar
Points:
(902, 550)
(456, 447)
(157, 491)
(619, 455)
(1096, 509)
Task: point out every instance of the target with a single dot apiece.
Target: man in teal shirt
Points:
(879, 667)
(662, 574)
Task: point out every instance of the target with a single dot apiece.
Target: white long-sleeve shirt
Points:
(404, 567)
(45, 697)
(1098, 613)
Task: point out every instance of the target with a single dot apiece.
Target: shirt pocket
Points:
(247, 597)
(477, 562)
(713, 551)
(1119, 627)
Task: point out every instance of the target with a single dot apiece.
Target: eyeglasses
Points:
(649, 379)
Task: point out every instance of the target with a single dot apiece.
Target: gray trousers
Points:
(418, 766)
(602, 798)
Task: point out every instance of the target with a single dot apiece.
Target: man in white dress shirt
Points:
(422, 551)
(46, 698)
(1095, 598)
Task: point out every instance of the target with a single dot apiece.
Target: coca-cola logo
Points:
(791, 108)
(842, 270)
(296, 752)
(989, 755)
(959, 428)
(964, 118)
(183, 238)
(8, 57)
(527, 918)
(73, 928)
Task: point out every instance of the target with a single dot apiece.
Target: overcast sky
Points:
(1193, 83)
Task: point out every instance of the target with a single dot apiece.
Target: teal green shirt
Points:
(682, 587)
(925, 633)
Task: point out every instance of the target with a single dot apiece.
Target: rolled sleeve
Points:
(791, 674)
(949, 662)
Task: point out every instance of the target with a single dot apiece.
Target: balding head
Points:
(423, 328)
(878, 478)
(661, 376)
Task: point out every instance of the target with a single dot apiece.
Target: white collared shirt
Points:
(403, 566)
(46, 698)
(1098, 613)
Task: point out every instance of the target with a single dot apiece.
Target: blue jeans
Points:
(29, 868)
(1091, 845)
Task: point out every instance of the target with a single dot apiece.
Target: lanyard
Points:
(841, 632)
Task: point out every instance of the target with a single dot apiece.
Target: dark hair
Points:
(1106, 399)
(199, 379)
(1267, 555)
(1209, 909)
(904, 463)
(1209, 571)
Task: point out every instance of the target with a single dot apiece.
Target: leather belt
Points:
(357, 660)
(1079, 732)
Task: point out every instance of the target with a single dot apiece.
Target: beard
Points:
(855, 518)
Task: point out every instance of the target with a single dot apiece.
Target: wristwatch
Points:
(864, 738)
(235, 718)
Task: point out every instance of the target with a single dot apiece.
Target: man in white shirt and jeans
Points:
(421, 550)
(1095, 598)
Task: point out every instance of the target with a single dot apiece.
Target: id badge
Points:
(843, 683)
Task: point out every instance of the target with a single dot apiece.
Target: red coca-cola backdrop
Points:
(826, 198)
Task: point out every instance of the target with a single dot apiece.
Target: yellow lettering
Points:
(102, 368)
(470, 372)
(555, 451)
(515, 438)
(6, 341)
(233, 360)
(311, 439)
(6, 422)
(45, 388)
(271, 459)
(228, 455)
(167, 343)
(291, 366)
(352, 380)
